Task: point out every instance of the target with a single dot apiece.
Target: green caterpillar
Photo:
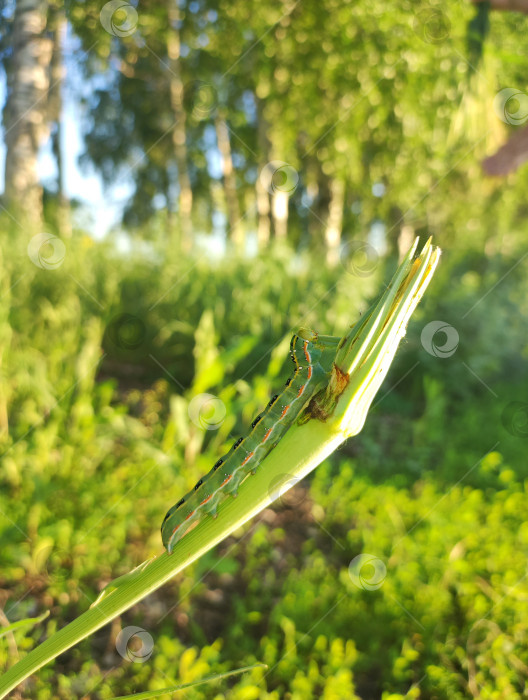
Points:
(312, 355)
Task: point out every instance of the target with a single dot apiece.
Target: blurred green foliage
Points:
(100, 359)
(396, 96)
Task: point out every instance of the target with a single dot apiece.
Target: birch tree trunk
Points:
(263, 213)
(57, 24)
(407, 233)
(25, 111)
(262, 194)
(236, 228)
(279, 211)
(179, 135)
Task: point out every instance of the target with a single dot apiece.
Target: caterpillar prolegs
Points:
(312, 355)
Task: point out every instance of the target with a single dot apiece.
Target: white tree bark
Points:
(236, 229)
(279, 210)
(407, 233)
(25, 112)
(57, 26)
(262, 194)
(179, 133)
(263, 212)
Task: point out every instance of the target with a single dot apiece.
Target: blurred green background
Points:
(279, 159)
